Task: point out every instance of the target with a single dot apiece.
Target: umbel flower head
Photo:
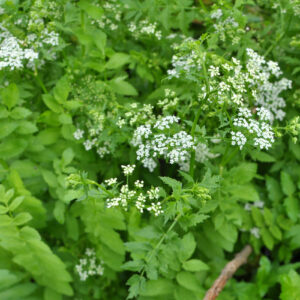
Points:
(159, 141)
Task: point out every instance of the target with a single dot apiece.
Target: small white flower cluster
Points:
(217, 14)
(186, 64)
(111, 181)
(78, 134)
(137, 115)
(90, 143)
(258, 75)
(266, 93)
(128, 170)
(137, 197)
(49, 38)
(170, 100)
(226, 27)
(112, 16)
(259, 132)
(144, 28)
(255, 232)
(159, 141)
(88, 265)
(12, 54)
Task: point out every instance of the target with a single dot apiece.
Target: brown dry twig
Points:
(227, 273)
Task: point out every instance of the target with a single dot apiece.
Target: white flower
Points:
(88, 266)
(153, 193)
(155, 208)
(237, 138)
(78, 134)
(217, 14)
(140, 203)
(121, 122)
(111, 181)
(255, 232)
(214, 71)
(139, 183)
(88, 144)
(128, 170)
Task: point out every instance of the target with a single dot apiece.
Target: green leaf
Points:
(3, 210)
(67, 156)
(52, 103)
(7, 127)
(26, 127)
(16, 203)
(133, 265)
(244, 192)
(65, 119)
(50, 178)
(158, 287)
(46, 268)
(12, 147)
(59, 211)
(50, 294)
(273, 187)
(7, 278)
(268, 216)
(174, 184)
(3, 112)
(100, 40)
(257, 217)
(290, 286)
(48, 136)
(276, 232)
(291, 205)
(181, 293)
(287, 184)
(20, 113)
(20, 291)
(187, 247)
(117, 60)
(22, 218)
(137, 285)
(195, 265)
(93, 11)
(10, 95)
(262, 156)
(122, 87)
(61, 90)
(112, 239)
(267, 238)
(244, 172)
(188, 281)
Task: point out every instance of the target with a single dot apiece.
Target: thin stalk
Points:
(277, 41)
(192, 161)
(149, 257)
(82, 21)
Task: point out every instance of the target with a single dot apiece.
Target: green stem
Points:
(82, 20)
(277, 41)
(149, 257)
(40, 82)
(101, 187)
(35, 74)
(229, 157)
(192, 161)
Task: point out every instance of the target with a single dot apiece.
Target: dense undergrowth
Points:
(144, 143)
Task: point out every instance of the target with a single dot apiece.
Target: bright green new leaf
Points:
(10, 95)
(195, 265)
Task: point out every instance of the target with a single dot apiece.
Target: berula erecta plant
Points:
(143, 144)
